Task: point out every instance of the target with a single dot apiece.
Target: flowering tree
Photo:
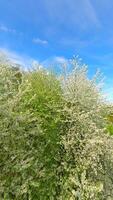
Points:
(88, 158)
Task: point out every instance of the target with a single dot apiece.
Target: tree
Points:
(88, 158)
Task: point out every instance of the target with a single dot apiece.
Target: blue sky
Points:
(54, 30)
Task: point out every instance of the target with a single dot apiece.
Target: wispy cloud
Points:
(16, 58)
(80, 13)
(55, 60)
(91, 12)
(60, 59)
(40, 41)
(76, 42)
(55, 63)
(4, 28)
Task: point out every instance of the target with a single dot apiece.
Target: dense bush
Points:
(29, 130)
(88, 158)
(53, 136)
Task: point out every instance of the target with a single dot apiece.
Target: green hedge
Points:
(53, 140)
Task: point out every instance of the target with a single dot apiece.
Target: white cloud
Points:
(40, 41)
(55, 63)
(16, 58)
(60, 59)
(4, 28)
(55, 60)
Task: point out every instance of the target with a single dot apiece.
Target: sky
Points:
(53, 31)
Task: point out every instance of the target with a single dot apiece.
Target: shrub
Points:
(54, 144)
(29, 129)
(88, 157)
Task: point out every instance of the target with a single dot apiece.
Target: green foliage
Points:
(29, 130)
(110, 128)
(109, 120)
(53, 138)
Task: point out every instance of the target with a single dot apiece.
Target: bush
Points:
(54, 144)
(29, 128)
(88, 158)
